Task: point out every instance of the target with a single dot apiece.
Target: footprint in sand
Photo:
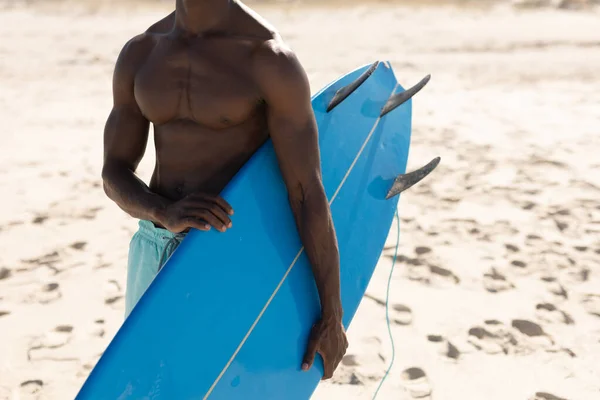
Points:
(577, 274)
(346, 374)
(402, 315)
(89, 213)
(33, 386)
(591, 304)
(420, 250)
(78, 245)
(39, 219)
(45, 294)
(561, 225)
(527, 327)
(112, 299)
(351, 378)
(48, 260)
(100, 263)
(519, 264)
(64, 328)
(359, 369)
(493, 338)
(432, 275)
(558, 290)
(416, 383)
(511, 247)
(444, 273)
(446, 348)
(534, 332)
(550, 313)
(97, 329)
(533, 240)
(86, 368)
(114, 293)
(546, 396)
(495, 282)
(349, 360)
(555, 259)
(521, 337)
(48, 341)
(528, 205)
(533, 337)
(45, 347)
(555, 287)
(407, 260)
(49, 293)
(5, 273)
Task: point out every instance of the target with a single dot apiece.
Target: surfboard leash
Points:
(387, 308)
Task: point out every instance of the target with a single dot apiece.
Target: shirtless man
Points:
(216, 81)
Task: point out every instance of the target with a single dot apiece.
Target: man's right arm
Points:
(125, 139)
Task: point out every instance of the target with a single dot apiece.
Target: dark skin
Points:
(217, 81)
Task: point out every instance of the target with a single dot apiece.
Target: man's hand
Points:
(197, 210)
(327, 338)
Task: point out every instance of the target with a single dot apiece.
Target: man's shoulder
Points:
(247, 22)
(272, 59)
(139, 45)
(275, 59)
(162, 26)
(135, 51)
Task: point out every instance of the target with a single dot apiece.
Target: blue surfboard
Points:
(236, 326)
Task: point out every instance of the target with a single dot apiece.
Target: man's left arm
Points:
(285, 89)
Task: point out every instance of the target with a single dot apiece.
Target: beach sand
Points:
(496, 290)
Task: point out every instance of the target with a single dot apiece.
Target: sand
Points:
(496, 291)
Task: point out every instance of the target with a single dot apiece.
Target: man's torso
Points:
(201, 97)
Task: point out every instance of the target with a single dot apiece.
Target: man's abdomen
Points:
(191, 158)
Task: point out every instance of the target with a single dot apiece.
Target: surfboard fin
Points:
(405, 181)
(398, 99)
(347, 90)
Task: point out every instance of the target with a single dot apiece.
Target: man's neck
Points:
(196, 17)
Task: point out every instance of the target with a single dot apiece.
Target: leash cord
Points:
(387, 309)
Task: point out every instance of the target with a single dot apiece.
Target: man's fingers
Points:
(211, 207)
(330, 342)
(209, 217)
(198, 224)
(327, 372)
(218, 200)
(311, 352)
(329, 367)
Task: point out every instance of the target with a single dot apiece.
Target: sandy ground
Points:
(496, 294)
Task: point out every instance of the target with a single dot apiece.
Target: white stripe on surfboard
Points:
(243, 341)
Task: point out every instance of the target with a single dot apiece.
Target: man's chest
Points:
(210, 85)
